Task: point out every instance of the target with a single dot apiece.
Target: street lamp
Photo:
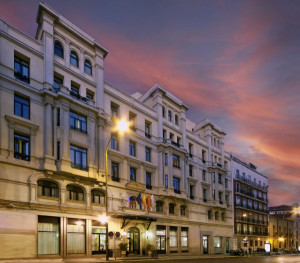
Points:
(122, 126)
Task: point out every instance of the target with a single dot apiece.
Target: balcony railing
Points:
(176, 191)
(79, 166)
(115, 179)
(149, 186)
(248, 181)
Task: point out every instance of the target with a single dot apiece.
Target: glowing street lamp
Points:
(122, 126)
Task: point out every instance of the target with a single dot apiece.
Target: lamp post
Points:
(122, 126)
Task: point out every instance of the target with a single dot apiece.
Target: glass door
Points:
(161, 239)
(205, 244)
(134, 240)
(98, 240)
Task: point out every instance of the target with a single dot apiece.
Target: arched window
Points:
(87, 67)
(171, 209)
(74, 59)
(98, 197)
(75, 193)
(182, 210)
(216, 215)
(132, 202)
(58, 49)
(159, 206)
(47, 188)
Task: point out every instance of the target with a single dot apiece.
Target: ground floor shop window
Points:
(76, 236)
(98, 239)
(48, 235)
(173, 236)
(184, 237)
(217, 242)
(161, 239)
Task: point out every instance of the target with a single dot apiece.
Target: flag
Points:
(139, 200)
(152, 203)
(144, 201)
(148, 201)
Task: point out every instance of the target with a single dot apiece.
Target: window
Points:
(184, 237)
(21, 106)
(176, 119)
(57, 82)
(148, 129)
(22, 147)
(48, 235)
(182, 210)
(176, 161)
(203, 156)
(209, 214)
(166, 181)
(21, 69)
(148, 180)
(191, 170)
(159, 206)
(76, 236)
(223, 216)
(173, 236)
(176, 185)
(132, 174)
(75, 91)
(98, 197)
(88, 67)
(114, 142)
(58, 117)
(226, 183)
(114, 108)
(217, 242)
(132, 121)
(166, 159)
(164, 134)
(192, 192)
(47, 188)
(58, 49)
(78, 158)
(148, 154)
(238, 228)
(213, 177)
(132, 148)
(238, 200)
(163, 112)
(214, 194)
(89, 95)
(169, 115)
(75, 193)
(74, 59)
(77, 122)
(190, 150)
(220, 197)
(204, 193)
(203, 175)
(58, 151)
(220, 179)
(171, 209)
(216, 215)
(115, 172)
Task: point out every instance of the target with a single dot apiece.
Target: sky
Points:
(234, 62)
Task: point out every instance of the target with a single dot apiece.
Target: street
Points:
(274, 259)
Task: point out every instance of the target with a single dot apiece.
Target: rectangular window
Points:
(192, 192)
(220, 197)
(48, 235)
(114, 142)
(173, 236)
(176, 161)
(214, 194)
(148, 154)
(115, 172)
(176, 119)
(203, 175)
(203, 156)
(148, 129)
(132, 121)
(166, 181)
(132, 148)
(114, 108)
(176, 185)
(148, 180)
(89, 95)
(58, 151)
(76, 236)
(78, 158)
(78, 122)
(217, 242)
(57, 82)
(220, 179)
(191, 170)
(58, 117)
(22, 106)
(213, 177)
(204, 193)
(226, 183)
(21, 69)
(132, 174)
(166, 159)
(22, 147)
(190, 150)
(184, 237)
(75, 91)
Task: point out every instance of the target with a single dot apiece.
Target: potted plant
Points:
(149, 248)
(123, 248)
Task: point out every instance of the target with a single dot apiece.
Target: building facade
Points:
(250, 206)
(284, 227)
(168, 179)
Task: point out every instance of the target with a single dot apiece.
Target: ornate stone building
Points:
(169, 180)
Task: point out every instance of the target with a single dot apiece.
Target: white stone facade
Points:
(57, 116)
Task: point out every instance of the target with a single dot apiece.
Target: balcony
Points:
(216, 165)
(148, 135)
(177, 191)
(115, 179)
(242, 178)
(79, 166)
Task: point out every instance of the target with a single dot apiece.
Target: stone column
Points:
(81, 61)
(48, 125)
(65, 132)
(67, 53)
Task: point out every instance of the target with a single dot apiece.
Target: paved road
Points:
(274, 259)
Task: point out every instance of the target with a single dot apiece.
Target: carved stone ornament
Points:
(135, 186)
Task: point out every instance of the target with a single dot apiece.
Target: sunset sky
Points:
(234, 62)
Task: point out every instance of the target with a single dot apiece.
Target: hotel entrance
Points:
(134, 240)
